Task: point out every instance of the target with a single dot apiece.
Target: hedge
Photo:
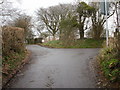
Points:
(13, 40)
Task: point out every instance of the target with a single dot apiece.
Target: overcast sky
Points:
(30, 6)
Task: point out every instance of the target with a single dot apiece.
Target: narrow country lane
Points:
(57, 68)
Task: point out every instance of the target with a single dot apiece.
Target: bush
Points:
(110, 62)
(13, 40)
(13, 51)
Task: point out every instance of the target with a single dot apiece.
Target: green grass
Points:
(110, 63)
(84, 43)
(54, 44)
(89, 43)
(12, 62)
(111, 69)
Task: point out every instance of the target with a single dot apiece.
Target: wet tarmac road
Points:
(57, 68)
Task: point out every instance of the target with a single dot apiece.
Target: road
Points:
(57, 68)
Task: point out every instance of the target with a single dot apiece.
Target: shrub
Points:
(13, 51)
(111, 69)
(110, 61)
(13, 40)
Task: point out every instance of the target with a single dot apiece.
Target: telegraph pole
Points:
(107, 33)
(104, 8)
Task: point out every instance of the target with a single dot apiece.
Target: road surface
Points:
(57, 68)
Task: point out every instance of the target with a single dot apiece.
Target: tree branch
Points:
(108, 17)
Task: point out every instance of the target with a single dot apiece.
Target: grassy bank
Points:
(109, 62)
(11, 64)
(84, 43)
(13, 52)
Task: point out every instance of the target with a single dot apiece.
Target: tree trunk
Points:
(81, 32)
(60, 35)
(97, 31)
(53, 37)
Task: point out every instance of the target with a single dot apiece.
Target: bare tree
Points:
(24, 21)
(117, 36)
(98, 20)
(50, 18)
(7, 12)
(117, 10)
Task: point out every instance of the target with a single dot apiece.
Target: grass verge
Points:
(12, 64)
(84, 43)
(109, 63)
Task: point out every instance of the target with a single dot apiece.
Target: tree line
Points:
(65, 21)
